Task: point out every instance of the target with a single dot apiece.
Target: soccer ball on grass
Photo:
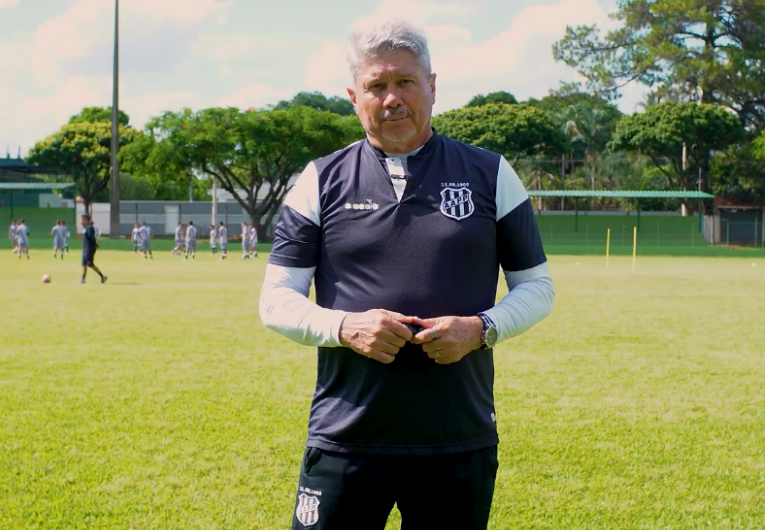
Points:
(46, 278)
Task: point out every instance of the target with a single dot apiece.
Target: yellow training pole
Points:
(608, 245)
(634, 248)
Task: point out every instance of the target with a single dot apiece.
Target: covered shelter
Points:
(17, 170)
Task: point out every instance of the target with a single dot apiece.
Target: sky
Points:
(56, 55)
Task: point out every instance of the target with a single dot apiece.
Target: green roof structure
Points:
(35, 185)
(12, 168)
(621, 194)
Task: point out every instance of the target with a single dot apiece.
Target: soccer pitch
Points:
(159, 400)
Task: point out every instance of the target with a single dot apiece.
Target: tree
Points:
(738, 173)
(587, 120)
(96, 114)
(82, 150)
(318, 101)
(709, 51)
(492, 97)
(249, 153)
(515, 131)
(167, 165)
(759, 146)
(662, 129)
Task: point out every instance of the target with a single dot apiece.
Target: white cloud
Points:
(256, 95)
(239, 52)
(14, 56)
(8, 3)
(518, 59)
(143, 106)
(153, 34)
(27, 119)
(419, 12)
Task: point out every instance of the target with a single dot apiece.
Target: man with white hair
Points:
(403, 233)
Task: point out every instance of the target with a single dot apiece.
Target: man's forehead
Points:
(402, 64)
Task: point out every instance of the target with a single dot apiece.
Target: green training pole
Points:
(587, 237)
(727, 233)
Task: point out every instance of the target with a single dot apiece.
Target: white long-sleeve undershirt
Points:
(286, 308)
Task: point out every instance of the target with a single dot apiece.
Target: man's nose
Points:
(393, 99)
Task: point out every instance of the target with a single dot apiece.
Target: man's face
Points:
(83, 221)
(394, 98)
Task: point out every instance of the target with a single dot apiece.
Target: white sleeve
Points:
(531, 294)
(286, 309)
(529, 301)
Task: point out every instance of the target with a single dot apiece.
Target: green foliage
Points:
(318, 101)
(515, 131)
(492, 98)
(686, 50)
(99, 114)
(244, 151)
(662, 129)
(82, 150)
(738, 173)
(758, 146)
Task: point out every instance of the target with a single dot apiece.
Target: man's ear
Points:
(432, 83)
(352, 94)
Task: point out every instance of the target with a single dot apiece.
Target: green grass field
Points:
(159, 401)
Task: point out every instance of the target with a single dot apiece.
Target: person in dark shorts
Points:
(403, 235)
(89, 247)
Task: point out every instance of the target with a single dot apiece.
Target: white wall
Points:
(101, 219)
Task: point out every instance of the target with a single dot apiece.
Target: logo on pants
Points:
(308, 509)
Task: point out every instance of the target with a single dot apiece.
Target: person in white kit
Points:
(146, 233)
(22, 236)
(253, 241)
(67, 235)
(245, 241)
(213, 239)
(12, 236)
(58, 233)
(136, 237)
(191, 241)
(179, 239)
(223, 240)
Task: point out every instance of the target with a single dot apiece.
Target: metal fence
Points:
(40, 221)
(721, 231)
(591, 230)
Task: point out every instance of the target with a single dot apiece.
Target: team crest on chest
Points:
(457, 203)
(307, 509)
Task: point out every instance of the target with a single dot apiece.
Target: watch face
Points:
(491, 337)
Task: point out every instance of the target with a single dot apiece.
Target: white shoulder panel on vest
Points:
(304, 195)
(510, 189)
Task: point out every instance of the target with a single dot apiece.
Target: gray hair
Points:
(388, 37)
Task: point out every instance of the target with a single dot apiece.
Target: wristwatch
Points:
(489, 334)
